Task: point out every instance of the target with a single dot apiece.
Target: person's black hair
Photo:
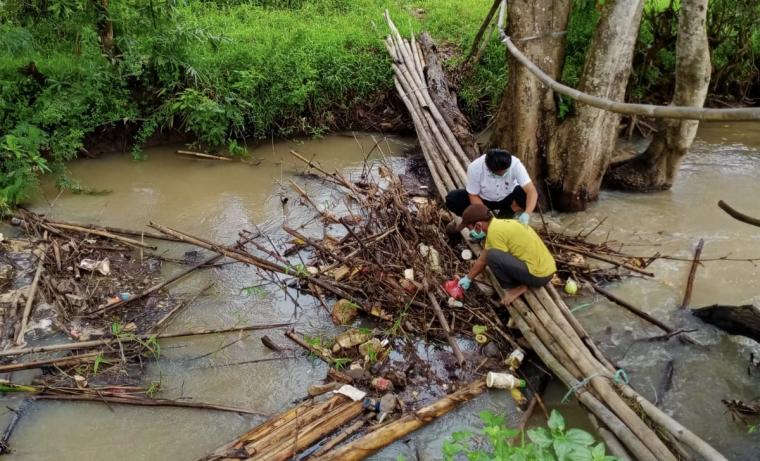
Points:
(498, 159)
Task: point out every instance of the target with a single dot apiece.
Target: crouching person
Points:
(513, 251)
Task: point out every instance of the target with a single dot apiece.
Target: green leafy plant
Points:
(340, 363)
(554, 442)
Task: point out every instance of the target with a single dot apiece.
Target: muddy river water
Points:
(218, 199)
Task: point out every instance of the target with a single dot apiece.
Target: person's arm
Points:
(478, 266)
(476, 199)
(531, 197)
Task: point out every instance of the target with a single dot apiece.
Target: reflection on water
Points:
(218, 199)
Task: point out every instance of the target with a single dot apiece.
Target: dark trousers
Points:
(457, 200)
(512, 272)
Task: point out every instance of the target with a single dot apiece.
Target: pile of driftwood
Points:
(629, 424)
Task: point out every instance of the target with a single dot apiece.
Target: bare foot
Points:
(513, 293)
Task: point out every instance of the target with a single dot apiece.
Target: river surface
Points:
(218, 199)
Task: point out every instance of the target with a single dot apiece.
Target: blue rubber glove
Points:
(464, 282)
(524, 217)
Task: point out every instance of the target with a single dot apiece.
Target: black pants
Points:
(457, 200)
(512, 272)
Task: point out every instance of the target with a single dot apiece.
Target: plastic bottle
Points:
(503, 380)
(515, 359)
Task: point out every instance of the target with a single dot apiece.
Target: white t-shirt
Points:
(480, 181)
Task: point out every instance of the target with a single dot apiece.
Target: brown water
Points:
(217, 199)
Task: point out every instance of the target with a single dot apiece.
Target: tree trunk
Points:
(105, 27)
(526, 117)
(656, 169)
(580, 151)
(735, 320)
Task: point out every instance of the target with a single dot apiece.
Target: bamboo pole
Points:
(385, 435)
(131, 338)
(203, 156)
(31, 293)
(116, 230)
(304, 438)
(106, 234)
(631, 308)
(146, 402)
(58, 362)
(269, 426)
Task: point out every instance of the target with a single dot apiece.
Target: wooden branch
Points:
(154, 288)
(647, 110)
(146, 402)
(58, 362)
(445, 324)
(127, 339)
(692, 273)
(169, 315)
(203, 156)
(600, 258)
(296, 338)
(106, 234)
(738, 215)
(30, 294)
(481, 31)
(633, 309)
(116, 230)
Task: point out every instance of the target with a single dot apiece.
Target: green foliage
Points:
(340, 363)
(554, 442)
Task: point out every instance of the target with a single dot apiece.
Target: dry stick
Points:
(692, 273)
(127, 339)
(385, 435)
(58, 362)
(263, 264)
(314, 244)
(30, 295)
(335, 176)
(359, 241)
(302, 193)
(738, 215)
(600, 258)
(481, 31)
(631, 308)
(115, 230)
(648, 110)
(146, 402)
(4, 448)
(445, 324)
(200, 155)
(169, 315)
(324, 356)
(273, 424)
(106, 234)
(156, 287)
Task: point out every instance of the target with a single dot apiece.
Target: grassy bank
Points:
(228, 72)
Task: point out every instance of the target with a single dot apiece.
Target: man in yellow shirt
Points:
(513, 251)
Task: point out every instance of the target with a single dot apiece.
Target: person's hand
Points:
(464, 282)
(524, 217)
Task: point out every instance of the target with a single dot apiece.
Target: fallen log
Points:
(387, 434)
(736, 320)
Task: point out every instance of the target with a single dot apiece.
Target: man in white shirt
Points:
(499, 181)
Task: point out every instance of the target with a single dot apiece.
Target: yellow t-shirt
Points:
(523, 243)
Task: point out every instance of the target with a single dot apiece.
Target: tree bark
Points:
(735, 320)
(526, 117)
(656, 169)
(580, 152)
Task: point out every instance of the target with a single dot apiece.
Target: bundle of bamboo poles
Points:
(631, 425)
